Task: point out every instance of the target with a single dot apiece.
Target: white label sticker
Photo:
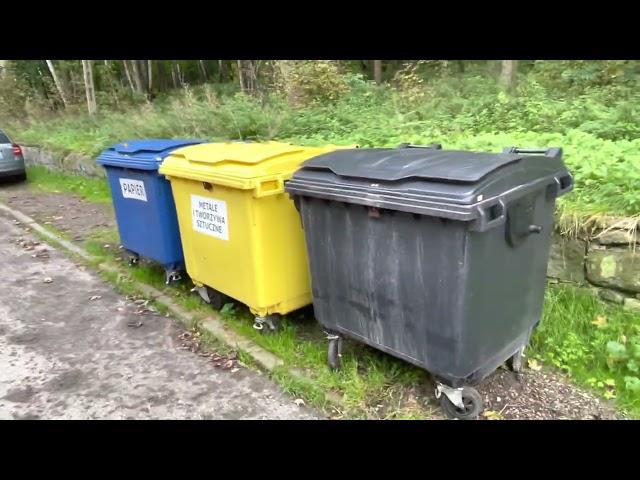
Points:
(133, 189)
(210, 217)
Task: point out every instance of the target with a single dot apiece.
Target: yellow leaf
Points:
(534, 365)
(492, 415)
(623, 339)
(610, 382)
(609, 395)
(600, 321)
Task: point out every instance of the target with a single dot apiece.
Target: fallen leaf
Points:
(534, 365)
(47, 280)
(492, 415)
(600, 321)
(299, 402)
(95, 297)
(235, 370)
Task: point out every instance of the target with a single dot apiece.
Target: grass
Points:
(92, 189)
(583, 337)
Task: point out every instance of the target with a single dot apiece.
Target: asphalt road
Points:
(71, 348)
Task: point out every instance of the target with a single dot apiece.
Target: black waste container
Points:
(437, 257)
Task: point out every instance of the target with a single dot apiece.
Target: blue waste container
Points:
(143, 202)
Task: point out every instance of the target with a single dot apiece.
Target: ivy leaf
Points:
(228, 309)
(617, 351)
(632, 384)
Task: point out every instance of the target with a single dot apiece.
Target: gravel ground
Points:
(541, 395)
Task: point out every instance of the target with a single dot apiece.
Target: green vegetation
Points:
(596, 344)
(588, 108)
(92, 189)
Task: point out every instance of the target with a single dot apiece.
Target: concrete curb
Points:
(213, 323)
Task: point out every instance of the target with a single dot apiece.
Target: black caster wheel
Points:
(267, 325)
(472, 401)
(516, 362)
(334, 353)
(172, 277)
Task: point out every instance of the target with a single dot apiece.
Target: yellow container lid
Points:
(261, 166)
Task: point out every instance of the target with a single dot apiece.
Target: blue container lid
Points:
(141, 154)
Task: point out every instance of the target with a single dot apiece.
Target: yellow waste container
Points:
(241, 234)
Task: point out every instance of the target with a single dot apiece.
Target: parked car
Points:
(11, 159)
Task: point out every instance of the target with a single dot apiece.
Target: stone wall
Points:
(607, 259)
(72, 162)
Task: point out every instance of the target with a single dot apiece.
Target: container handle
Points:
(268, 187)
(432, 146)
(491, 215)
(565, 184)
(552, 152)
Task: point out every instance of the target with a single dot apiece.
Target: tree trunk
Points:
(58, 83)
(203, 69)
(241, 76)
(248, 75)
(508, 74)
(128, 73)
(174, 75)
(137, 76)
(180, 76)
(223, 73)
(377, 71)
(149, 75)
(87, 70)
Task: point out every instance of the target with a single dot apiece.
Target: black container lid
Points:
(402, 164)
(454, 184)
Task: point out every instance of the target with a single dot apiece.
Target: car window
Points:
(4, 138)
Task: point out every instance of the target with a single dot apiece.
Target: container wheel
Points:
(516, 361)
(216, 299)
(133, 259)
(472, 401)
(334, 353)
(268, 324)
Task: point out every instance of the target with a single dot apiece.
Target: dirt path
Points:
(540, 394)
(72, 348)
(66, 213)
